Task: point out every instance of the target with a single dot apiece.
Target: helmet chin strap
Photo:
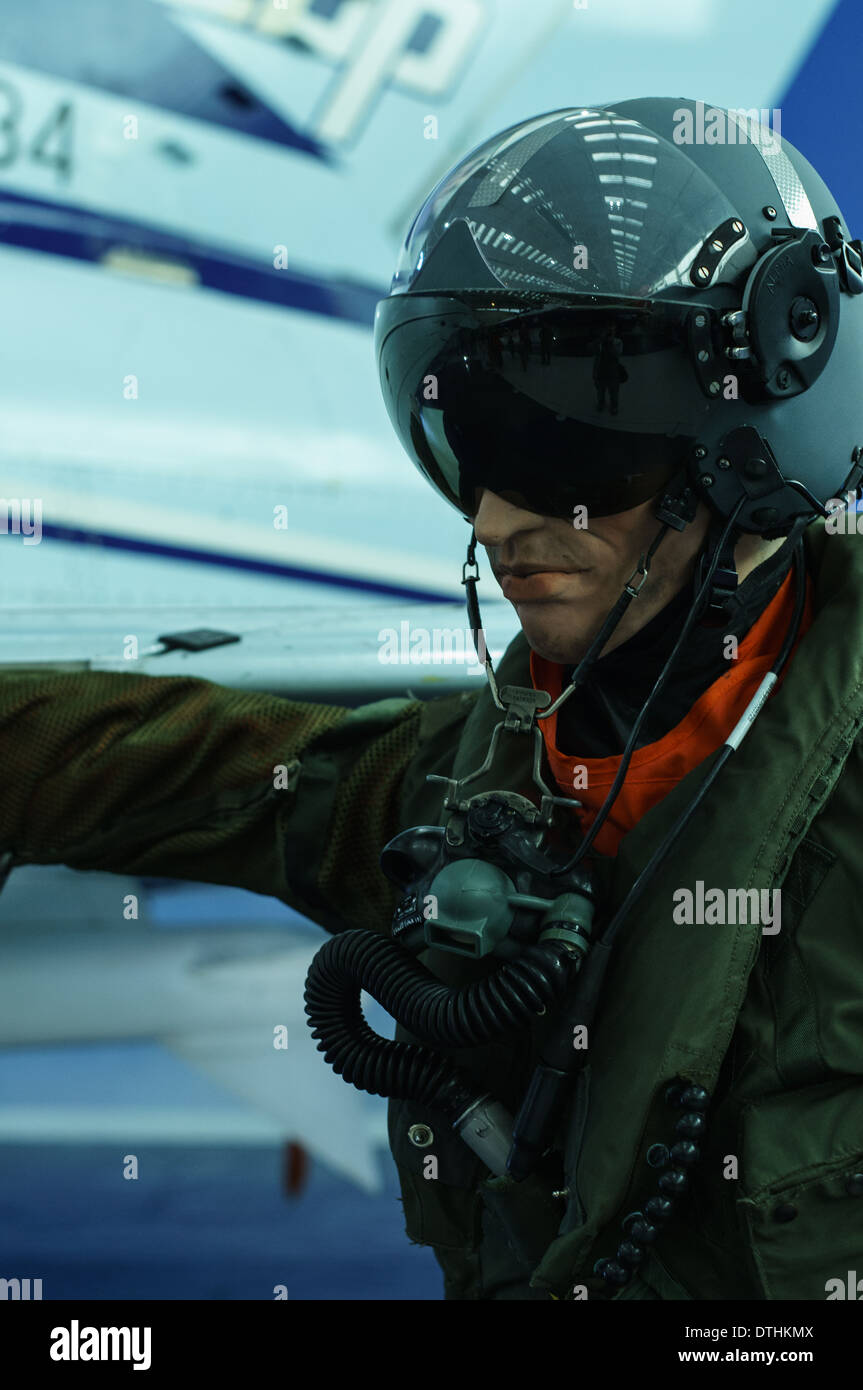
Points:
(631, 590)
(726, 600)
(724, 584)
(522, 707)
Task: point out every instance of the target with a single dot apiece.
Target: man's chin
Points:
(551, 641)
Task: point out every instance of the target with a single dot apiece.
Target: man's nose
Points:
(496, 519)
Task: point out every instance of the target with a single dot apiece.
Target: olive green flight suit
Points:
(183, 778)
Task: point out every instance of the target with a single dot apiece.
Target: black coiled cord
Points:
(463, 1016)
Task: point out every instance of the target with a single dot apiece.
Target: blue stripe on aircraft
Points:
(82, 235)
(822, 113)
(138, 50)
(249, 564)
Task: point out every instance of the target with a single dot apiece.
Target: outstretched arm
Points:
(183, 778)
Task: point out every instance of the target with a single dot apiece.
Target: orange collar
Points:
(657, 767)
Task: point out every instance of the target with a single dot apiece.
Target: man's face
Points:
(583, 570)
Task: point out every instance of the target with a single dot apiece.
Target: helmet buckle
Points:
(848, 254)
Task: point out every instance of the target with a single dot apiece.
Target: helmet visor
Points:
(588, 404)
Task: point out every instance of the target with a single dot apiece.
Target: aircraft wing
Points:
(219, 1000)
(301, 1095)
(324, 652)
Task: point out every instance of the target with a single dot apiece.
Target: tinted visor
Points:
(591, 403)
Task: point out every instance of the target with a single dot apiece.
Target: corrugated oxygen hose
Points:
(462, 1016)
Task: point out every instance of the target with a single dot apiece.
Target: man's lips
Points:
(521, 571)
(527, 583)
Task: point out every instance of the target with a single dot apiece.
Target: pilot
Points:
(691, 610)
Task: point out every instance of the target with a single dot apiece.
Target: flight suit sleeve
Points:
(183, 778)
